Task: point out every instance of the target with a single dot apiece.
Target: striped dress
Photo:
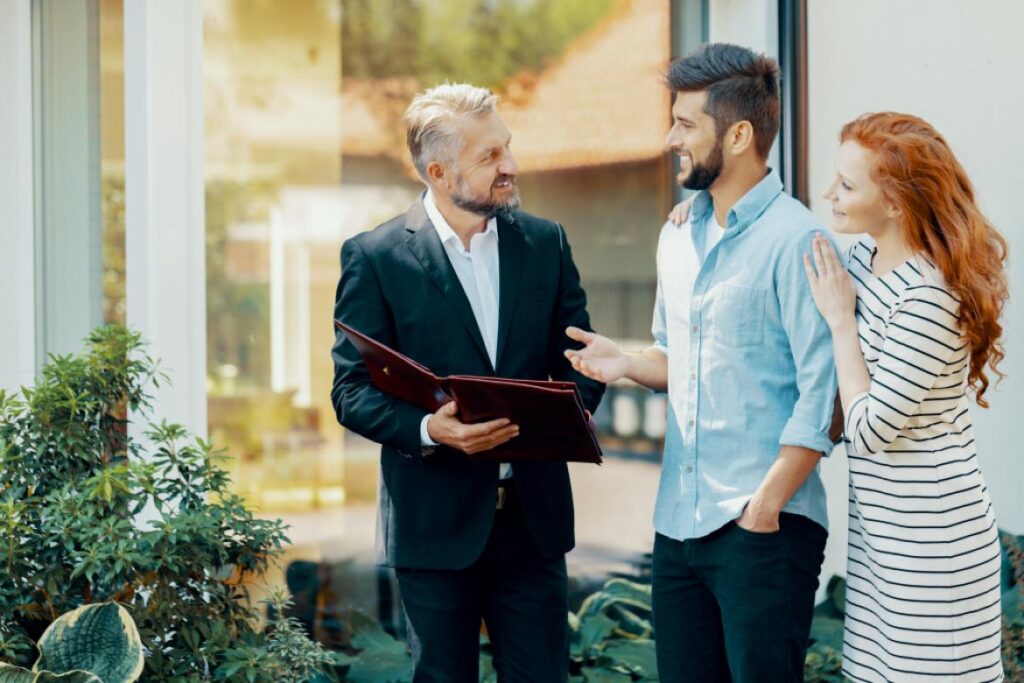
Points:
(923, 571)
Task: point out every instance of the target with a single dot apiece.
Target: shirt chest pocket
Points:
(737, 315)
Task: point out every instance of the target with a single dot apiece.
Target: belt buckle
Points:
(501, 498)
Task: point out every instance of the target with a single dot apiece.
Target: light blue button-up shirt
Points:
(750, 364)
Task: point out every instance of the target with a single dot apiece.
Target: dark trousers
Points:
(736, 605)
(521, 596)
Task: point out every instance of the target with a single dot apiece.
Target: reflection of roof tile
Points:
(603, 102)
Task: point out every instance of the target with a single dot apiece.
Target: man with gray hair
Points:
(465, 283)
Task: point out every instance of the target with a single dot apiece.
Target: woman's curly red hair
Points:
(918, 172)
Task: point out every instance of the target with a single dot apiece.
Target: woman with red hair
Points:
(915, 327)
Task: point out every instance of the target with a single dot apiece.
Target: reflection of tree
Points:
(113, 250)
(480, 41)
(238, 307)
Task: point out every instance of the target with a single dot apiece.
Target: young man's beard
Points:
(703, 175)
(484, 207)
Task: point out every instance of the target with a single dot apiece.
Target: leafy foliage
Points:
(380, 658)
(73, 485)
(484, 42)
(1013, 606)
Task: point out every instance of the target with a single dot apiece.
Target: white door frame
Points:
(17, 211)
(164, 199)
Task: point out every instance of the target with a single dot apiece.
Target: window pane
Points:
(305, 148)
(79, 144)
(112, 157)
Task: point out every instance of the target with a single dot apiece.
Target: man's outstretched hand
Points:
(600, 359)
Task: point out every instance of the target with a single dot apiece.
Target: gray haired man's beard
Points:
(488, 207)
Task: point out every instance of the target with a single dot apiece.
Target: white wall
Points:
(750, 23)
(17, 251)
(958, 65)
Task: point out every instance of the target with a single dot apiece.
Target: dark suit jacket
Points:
(398, 286)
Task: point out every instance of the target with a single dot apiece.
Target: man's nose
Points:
(671, 140)
(508, 165)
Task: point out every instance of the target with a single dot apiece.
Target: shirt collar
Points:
(445, 231)
(747, 209)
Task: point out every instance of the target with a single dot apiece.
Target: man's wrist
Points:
(761, 506)
(630, 372)
(425, 439)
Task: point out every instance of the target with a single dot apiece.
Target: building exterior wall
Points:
(957, 65)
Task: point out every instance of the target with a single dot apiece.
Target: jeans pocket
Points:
(757, 535)
(737, 315)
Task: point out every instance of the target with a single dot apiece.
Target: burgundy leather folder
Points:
(553, 424)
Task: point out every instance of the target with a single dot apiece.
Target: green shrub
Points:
(72, 486)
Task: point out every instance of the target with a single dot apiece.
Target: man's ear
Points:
(436, 173)
(739, 138)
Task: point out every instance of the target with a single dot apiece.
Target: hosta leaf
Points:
(593, 629)
(370, 635)
(601, 675)
(636, 655)
(67, 677)
(15, 674)
(99, 638)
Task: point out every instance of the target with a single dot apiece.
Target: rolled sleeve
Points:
(810, 342)
(797, 433)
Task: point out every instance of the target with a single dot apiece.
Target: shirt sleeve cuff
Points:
(797, 433)
(425, 439)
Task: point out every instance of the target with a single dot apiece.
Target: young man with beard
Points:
(747, 362)
(465, 283)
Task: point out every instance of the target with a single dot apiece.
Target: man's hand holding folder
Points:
(499, 419)
(445, 427)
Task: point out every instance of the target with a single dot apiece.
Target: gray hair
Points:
(430, 121)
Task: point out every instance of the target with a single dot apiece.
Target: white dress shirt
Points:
(477, 270)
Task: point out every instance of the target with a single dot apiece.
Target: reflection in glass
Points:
(305, 148)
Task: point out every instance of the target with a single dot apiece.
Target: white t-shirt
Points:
(714, 234)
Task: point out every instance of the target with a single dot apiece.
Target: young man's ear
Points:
(739, 138)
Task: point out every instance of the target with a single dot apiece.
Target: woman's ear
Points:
(892, 210)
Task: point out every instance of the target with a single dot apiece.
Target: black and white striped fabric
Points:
(923, 569)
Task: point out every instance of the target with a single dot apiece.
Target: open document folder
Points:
(553, 423)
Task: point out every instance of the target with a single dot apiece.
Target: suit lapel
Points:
(511, 250)
(426, 246)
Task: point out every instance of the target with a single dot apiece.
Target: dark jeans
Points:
(521, 596)
(737, 605)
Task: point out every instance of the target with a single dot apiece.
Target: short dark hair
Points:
(741, 85)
